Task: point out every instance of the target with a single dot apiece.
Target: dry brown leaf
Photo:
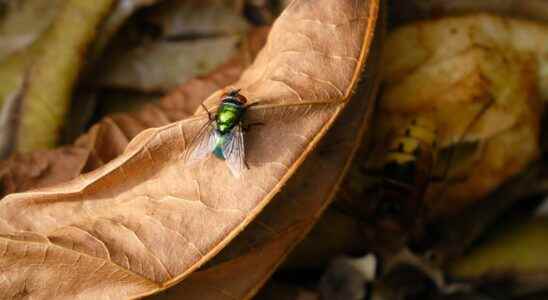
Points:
(230, 280)
(145, 220)
(293, 212)
(243, 267)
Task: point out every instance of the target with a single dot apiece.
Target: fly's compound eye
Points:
(235, 95)
(241, 98)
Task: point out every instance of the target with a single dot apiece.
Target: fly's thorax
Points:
(228, 116)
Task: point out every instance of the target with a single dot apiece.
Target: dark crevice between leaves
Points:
(451, 237)
(192, 36)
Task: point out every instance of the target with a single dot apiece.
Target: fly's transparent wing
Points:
(234, 151)
(202, 144)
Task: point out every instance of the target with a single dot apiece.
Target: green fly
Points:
(223, 134)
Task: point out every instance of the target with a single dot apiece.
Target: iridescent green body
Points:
(229, 115)
(223, 134)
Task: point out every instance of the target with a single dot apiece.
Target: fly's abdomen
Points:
(218, 150)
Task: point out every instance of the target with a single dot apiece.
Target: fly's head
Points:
(234, 97)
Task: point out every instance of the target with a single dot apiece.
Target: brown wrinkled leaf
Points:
(231, 279)
(144, 221)
(292, 213)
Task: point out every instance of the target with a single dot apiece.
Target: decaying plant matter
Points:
(144, 221)
(187, 39)
(41, 77)
(481, 87)
(438, 184)
(480, 80)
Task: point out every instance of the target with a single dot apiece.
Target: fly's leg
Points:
(209, 115)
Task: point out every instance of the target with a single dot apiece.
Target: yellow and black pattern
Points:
(412, 153)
